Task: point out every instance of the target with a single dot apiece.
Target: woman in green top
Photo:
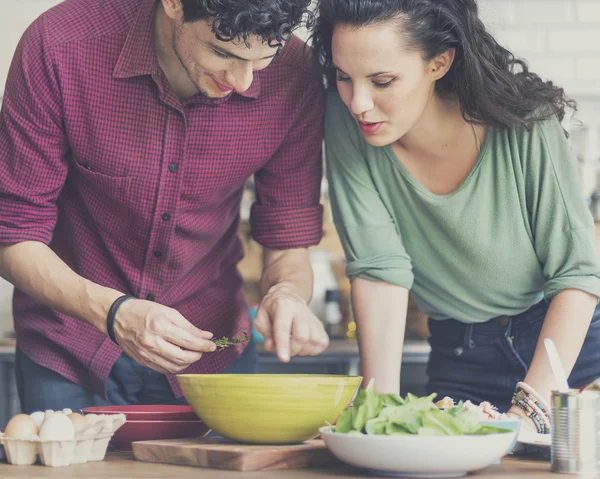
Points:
(450, 177)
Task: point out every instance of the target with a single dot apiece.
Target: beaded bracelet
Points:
(526, 398)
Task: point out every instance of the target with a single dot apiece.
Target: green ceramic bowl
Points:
(268, 408)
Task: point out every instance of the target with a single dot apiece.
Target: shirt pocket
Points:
(100, 191)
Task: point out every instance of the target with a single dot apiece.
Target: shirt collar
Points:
(138, 55)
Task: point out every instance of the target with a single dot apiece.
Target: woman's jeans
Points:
(484, 362)
(128, 383)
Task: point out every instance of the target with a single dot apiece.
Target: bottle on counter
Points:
(332, 314)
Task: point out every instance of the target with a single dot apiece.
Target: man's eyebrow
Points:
(232, 55)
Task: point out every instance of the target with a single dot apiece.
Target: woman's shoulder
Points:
(540, 124)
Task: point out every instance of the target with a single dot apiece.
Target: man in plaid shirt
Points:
(127, 133)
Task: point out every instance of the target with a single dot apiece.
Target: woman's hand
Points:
(517, 412)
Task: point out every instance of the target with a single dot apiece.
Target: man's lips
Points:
(222, 87)
(369, 127)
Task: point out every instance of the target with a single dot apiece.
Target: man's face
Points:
(215, 67)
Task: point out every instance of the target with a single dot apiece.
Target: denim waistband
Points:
(498, 326)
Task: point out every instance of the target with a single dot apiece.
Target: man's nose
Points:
(241, 79)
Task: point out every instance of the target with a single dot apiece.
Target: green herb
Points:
(225, 341)
(388, 414)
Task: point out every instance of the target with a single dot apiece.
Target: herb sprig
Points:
(224, 342)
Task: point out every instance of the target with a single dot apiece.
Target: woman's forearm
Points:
(380, 314)
(566, 323)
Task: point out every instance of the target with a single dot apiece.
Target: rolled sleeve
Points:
(562, 225)
(572, 263)
(287, 213)
(284, 228)
(32, 144)
(370, 237)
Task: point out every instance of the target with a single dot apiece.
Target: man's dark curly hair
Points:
(271, 20)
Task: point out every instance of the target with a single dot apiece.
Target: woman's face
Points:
(385, 85)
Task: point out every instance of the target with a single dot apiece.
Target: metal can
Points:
(575, 431)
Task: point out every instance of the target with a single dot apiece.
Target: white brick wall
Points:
(560, 39)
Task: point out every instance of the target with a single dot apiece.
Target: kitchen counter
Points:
(123, 466)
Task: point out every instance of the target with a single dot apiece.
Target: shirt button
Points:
(150, 297)
(158, 254)
(166, 216)
(173, 167)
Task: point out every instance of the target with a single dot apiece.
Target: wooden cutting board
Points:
(219, 453)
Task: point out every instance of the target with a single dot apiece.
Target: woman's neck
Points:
(438, 131)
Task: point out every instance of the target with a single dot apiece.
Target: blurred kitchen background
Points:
(559, 38)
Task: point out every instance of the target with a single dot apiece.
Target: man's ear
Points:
(440, 65)
(173, 8)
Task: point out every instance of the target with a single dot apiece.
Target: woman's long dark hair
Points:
(492, 86)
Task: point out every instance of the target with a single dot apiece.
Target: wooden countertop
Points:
(123, 466)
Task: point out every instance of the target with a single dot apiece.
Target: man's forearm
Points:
(287, 269)
(380, 314)
(37, 271)
(570, 310)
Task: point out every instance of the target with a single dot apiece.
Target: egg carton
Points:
(90, 444)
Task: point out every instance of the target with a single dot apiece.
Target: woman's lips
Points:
(222, 87)
(370, 128)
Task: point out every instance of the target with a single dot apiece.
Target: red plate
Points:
(147, 412)
(151, 430)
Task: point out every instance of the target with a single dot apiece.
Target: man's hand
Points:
(288, 324)
(159, 337)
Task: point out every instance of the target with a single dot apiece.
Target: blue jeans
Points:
(483, 362)
(128, 383)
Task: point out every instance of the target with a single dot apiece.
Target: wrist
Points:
(286, 287)
(97, 304)
(533, 406)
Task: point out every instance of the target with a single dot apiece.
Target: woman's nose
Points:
(361, 101)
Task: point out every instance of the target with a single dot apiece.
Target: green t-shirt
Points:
(515, 231)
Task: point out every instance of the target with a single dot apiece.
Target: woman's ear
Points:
(440, 65)
(173, 8)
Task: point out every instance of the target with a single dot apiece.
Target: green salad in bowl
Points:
(389, 435)
(389, 414)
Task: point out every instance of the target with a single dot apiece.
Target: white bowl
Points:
(418, 456)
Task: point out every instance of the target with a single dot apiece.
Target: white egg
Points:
(66, 411)
(38, 417)
(57, 427)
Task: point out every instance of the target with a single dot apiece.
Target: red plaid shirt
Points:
(140, 192)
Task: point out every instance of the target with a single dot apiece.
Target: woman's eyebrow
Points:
(368, 76)
(377, 74)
